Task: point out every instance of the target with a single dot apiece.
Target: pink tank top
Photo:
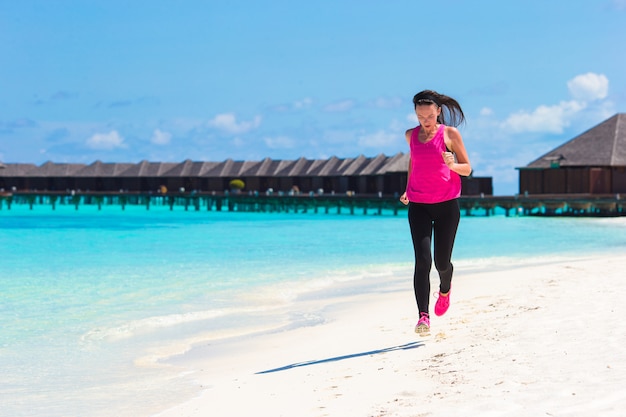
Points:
(431, 180)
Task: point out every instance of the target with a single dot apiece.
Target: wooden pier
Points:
(209, 201)
(531, 205)
(587, 205)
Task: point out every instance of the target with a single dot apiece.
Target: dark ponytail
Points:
(451, 112)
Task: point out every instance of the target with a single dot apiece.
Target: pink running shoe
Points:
(443, 302)
(423, 325)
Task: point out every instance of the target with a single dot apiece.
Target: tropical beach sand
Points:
(544, 337)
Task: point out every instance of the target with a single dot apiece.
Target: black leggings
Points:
(424, 219)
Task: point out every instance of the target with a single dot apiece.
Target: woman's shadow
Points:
(407, 346)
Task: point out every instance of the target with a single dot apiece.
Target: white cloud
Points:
(337, 136)
(297, 105)
(106, 141)
(228, 123)
(387, 103)
(589, 87)
(302, 104)
(185, 124)
(549, 119)
(238, 142)
(412, 118)
(339, 106)
(279, 142)
(486, 111)
(397, 126)
(378, 139)
(160, 137)
(584, 88)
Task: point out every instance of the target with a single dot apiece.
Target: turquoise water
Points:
(93, 300)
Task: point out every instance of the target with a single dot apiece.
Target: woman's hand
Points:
(448, 158)
(403, 199)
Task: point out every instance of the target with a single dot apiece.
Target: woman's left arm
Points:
(454, 142)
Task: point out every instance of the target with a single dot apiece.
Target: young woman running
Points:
(437, 159)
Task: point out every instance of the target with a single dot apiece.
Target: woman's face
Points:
(427, 115)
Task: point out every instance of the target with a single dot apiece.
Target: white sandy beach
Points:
(540, 338)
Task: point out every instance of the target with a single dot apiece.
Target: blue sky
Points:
(125, 81)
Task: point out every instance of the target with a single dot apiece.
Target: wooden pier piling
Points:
(535, 205)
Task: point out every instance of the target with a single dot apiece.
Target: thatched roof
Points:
(373, 166)
(327, 168)
(149, 169)
(283, 168)
(352, 166)
(302, 167)
(103, 169)
(50, 169)
(17, 170)
(228, 168)
(260, 169)
(398, 163)
(601, 146)
(189, 168)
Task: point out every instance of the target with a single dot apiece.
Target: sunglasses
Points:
(426, 101)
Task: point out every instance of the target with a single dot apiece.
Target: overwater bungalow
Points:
(593, 163)
(361, 175)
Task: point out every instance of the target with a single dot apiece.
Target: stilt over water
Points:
(537, 205)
